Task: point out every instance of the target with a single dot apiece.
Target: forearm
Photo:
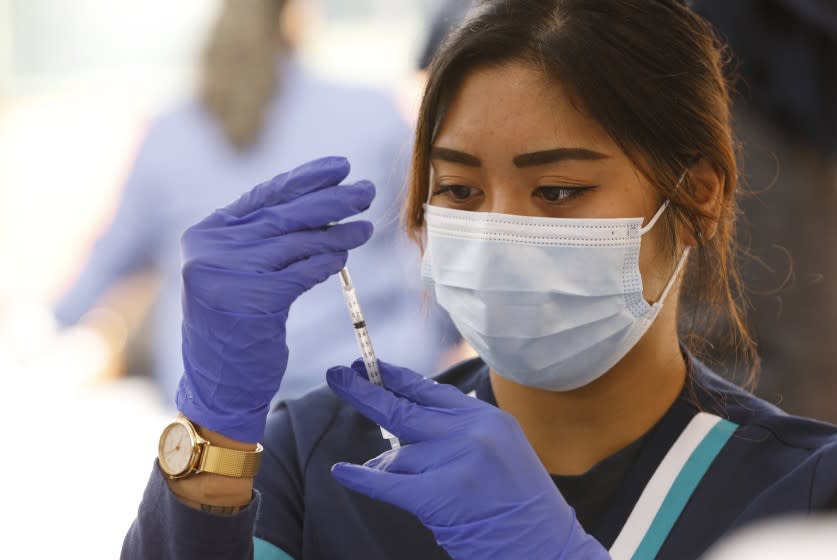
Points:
(166, 528)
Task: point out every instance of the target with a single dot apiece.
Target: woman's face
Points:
(512, 142)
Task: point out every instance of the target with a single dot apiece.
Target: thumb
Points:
(376, 484)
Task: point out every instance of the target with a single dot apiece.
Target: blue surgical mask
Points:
(546, 302)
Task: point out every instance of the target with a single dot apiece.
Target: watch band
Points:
(231, 462)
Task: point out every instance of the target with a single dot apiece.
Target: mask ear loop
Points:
(678, 269)
(680, 263)
(647, 227)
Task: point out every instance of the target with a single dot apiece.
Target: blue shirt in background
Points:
(186, 168)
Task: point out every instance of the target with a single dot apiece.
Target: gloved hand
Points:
(466, 471)
(243, 267)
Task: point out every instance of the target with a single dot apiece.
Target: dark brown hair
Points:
(240, 67)
(651, 73)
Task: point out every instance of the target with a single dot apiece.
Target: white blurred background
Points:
(79, 82)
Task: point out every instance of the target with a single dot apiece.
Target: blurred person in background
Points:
(259, 110)
(447, 18)
(444, 19)
(785, 117)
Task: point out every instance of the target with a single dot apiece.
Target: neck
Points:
(573, 431)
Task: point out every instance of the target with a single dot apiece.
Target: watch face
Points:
(175, 449)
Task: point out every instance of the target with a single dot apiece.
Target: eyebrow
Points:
(523, 160)
(556, 155)
(455, 156)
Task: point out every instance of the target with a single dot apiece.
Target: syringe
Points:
(365, 343)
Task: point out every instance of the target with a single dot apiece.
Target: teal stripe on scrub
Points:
(263, 550)
(682, 489)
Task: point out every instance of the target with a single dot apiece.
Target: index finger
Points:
(307, 178)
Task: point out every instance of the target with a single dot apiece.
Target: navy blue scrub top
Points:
(773, 464)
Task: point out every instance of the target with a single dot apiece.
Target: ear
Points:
(707, 184)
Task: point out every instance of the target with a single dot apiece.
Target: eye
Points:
(458, 193)
(554, 194)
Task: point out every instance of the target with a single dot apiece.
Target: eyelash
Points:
(450, 190)
(564, 193)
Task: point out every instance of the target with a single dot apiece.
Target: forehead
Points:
(517, 106)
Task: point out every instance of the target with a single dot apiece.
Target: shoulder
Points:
(373, 108)
(184, 117)
(789, 461)
(726, 399)
(181, 131)
(343, 93)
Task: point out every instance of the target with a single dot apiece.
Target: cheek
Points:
(655, 262)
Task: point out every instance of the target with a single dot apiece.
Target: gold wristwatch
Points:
(182, 452)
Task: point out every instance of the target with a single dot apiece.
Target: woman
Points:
(572, 156)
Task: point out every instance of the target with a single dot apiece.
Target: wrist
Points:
(243, 425)
(219, 439)
(214, 491)
(209, 489)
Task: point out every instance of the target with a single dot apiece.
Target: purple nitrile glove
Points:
(466, 471)
(243, 267)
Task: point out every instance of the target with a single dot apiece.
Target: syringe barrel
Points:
(365, 343)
